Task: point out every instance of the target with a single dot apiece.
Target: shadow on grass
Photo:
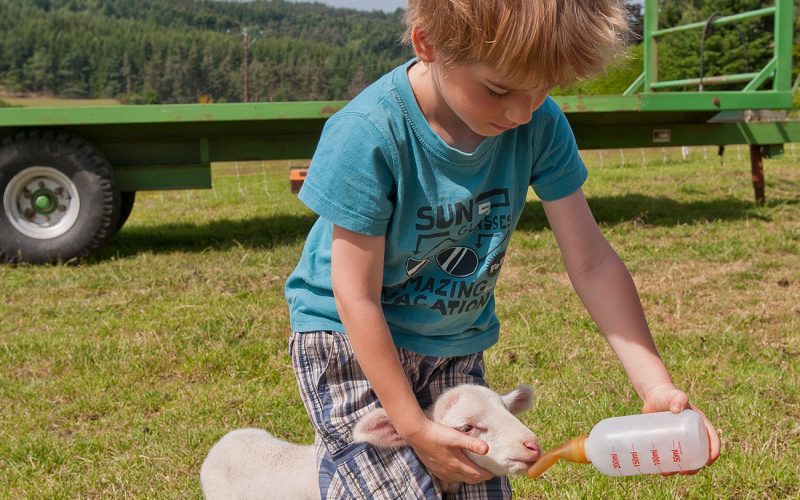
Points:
(258, 232)
(279, 230)
(657, 211)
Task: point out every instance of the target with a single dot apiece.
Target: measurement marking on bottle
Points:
(635, 462)
(677, 453)
(615, 460)
(654, 456)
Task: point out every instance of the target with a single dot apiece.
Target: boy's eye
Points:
(494, 94)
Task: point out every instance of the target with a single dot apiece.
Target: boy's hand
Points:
(441, 449)
(667, 397)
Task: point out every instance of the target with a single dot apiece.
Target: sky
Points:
(384, 5)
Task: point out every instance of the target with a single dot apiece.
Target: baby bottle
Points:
(637, 444)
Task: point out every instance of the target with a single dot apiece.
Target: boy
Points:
(419, 182)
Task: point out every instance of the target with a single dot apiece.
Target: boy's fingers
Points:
(477, 446)
(479, 478)
(475, 473)
(714, 443)
(680, 402)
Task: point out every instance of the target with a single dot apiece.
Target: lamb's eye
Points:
(465, 428)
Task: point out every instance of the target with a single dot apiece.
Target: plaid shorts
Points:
(336, 394)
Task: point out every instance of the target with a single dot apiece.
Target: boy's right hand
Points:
(441, 449)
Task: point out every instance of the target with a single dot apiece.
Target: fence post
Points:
(757, 172)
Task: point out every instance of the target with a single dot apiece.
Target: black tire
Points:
(126, 202)
(60, 200)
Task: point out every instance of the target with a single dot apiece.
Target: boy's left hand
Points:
(667, 397)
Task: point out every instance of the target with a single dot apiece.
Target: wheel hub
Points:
(45, 202)
(41, 202)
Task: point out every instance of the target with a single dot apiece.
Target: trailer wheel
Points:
(60, 200)
(126, 202)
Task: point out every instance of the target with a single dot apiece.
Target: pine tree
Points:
(39, 72)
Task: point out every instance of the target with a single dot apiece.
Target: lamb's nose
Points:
(534, 447)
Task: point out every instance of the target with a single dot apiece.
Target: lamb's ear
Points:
(518, 400)
(376, 429)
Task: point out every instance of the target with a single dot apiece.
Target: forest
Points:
(188, 50)
(182, 51)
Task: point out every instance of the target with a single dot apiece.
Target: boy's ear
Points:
(422, 48)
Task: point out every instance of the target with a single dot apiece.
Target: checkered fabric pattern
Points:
(336, 394)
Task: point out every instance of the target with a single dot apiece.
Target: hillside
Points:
(189, 50)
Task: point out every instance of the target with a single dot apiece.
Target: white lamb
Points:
(253, 464)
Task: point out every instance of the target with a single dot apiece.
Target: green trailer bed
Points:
(172, 146)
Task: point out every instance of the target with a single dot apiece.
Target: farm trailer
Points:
(68, 176)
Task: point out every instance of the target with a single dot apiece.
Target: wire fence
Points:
(648, 156)
(242, 181)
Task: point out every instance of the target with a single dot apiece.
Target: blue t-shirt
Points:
(447, 216)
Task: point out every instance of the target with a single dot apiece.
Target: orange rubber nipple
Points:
(572, 450)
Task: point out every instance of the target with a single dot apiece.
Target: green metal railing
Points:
(778, 69)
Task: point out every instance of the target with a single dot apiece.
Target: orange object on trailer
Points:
(296, 177)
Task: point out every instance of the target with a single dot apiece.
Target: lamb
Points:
(253, 464)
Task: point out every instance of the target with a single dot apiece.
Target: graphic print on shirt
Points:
(458, 238)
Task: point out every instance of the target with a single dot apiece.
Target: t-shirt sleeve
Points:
(349, 181)
(558, 169)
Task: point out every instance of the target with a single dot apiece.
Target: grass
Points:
(119, 374)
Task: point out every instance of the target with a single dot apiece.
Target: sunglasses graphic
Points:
(458, 262)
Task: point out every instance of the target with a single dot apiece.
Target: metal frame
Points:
(643, 94)
(778, 69)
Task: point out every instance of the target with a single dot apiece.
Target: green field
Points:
(119, 374)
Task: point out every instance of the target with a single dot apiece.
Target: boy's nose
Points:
(520, 110)
(519, 115)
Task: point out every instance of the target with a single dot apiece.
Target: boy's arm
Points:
(606, 288)
(357, 275)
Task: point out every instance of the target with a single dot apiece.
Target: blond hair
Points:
(545, 42)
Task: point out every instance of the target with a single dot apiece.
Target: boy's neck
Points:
(444, 122)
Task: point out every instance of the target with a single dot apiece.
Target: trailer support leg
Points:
(757, 171)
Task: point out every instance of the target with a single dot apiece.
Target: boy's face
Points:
(483, 99)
